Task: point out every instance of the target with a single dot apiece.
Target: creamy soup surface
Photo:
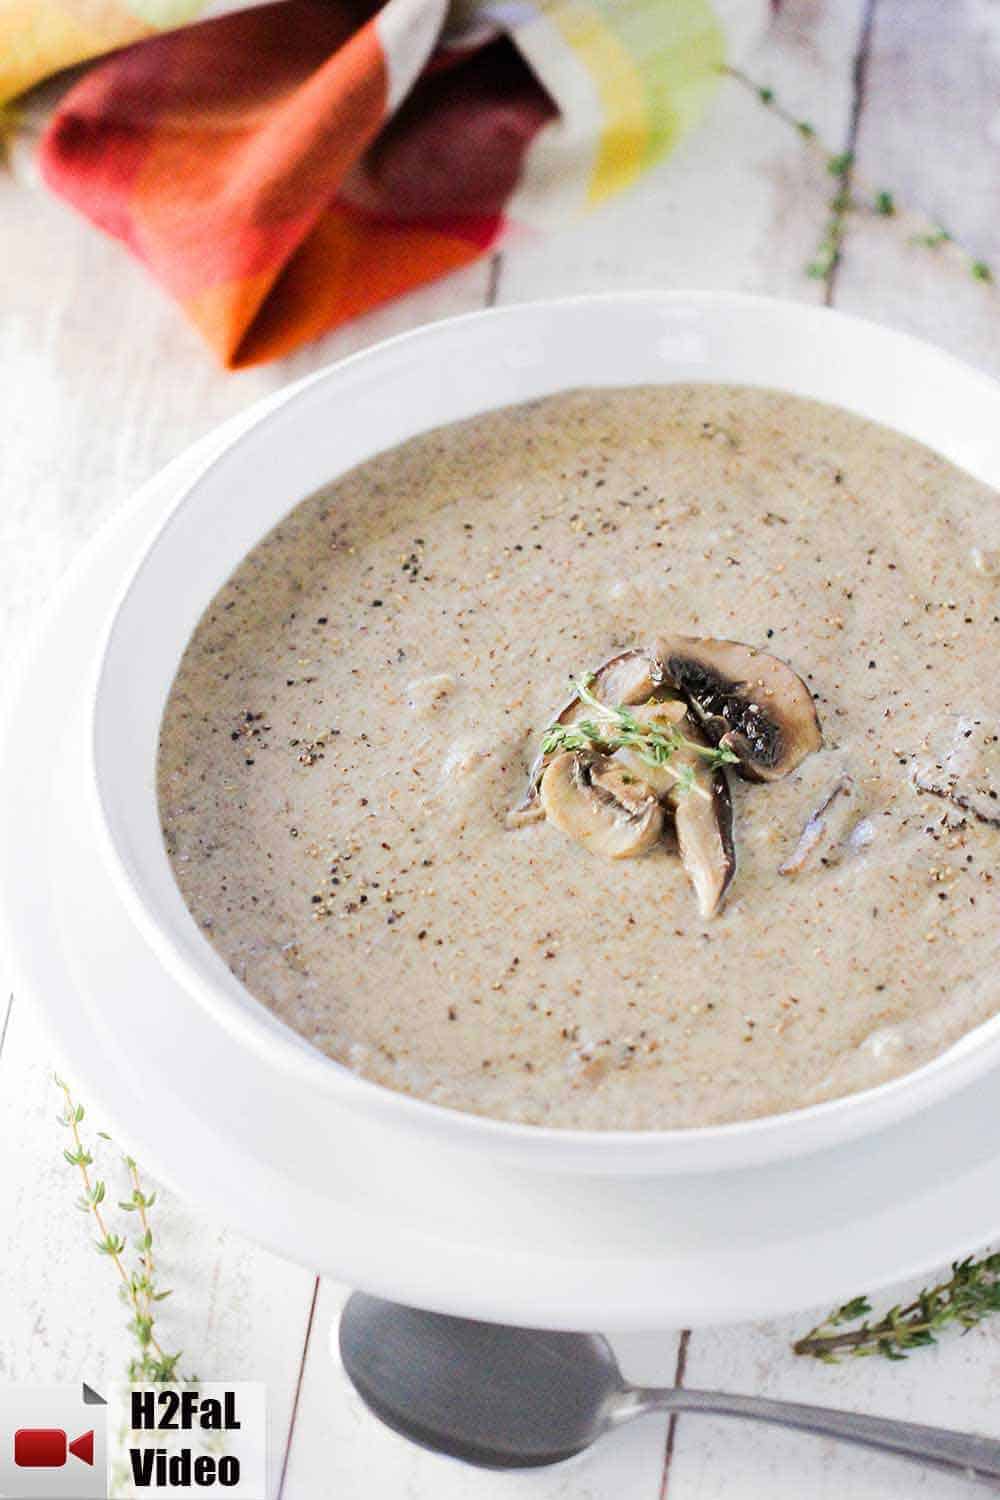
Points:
(357, 711)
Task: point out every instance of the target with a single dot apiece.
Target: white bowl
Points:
(365, 405)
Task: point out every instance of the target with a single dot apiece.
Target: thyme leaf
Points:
(139, 1288)
(969, 1295)
(617, 728)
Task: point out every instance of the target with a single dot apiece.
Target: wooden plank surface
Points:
(716, 1460)
(929, 130)
(104, 383)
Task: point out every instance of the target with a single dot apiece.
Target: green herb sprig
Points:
(139, 1288)
(855, 196)
(969, 1295)
(617, 728)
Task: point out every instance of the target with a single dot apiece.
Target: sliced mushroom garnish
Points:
(528, 810)
(962, 765)
(670, 714)
(601, 804)
(965, 804)
(646, 735)
(662, 713)
(746, 700)
(816, 829)
(701, 803)
(625, 680)
(704, 827)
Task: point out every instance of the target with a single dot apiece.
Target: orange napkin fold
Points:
(282, 169)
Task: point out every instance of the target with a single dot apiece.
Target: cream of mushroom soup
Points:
(759, 869)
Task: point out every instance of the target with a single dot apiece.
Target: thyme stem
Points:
(138, 1288)
(863, 197)
(109, 1244)
(969, 1295)
(618, 728)
(141, 1202)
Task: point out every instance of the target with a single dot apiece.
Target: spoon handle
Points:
(957, 1452)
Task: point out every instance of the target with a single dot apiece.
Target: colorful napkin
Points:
(284, 167)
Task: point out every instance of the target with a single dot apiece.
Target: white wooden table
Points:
(103, 383)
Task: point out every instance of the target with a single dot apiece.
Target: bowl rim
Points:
(740, 1142)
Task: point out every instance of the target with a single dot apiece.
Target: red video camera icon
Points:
(47, 1448)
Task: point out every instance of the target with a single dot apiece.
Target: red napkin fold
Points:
(251, 162)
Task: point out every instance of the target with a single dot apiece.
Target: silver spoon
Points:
(518, 1398)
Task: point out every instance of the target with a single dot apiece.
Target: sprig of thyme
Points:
(970, 1294)
(827, 256)
(618, 728)
(856, 196)
(138, 1288)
